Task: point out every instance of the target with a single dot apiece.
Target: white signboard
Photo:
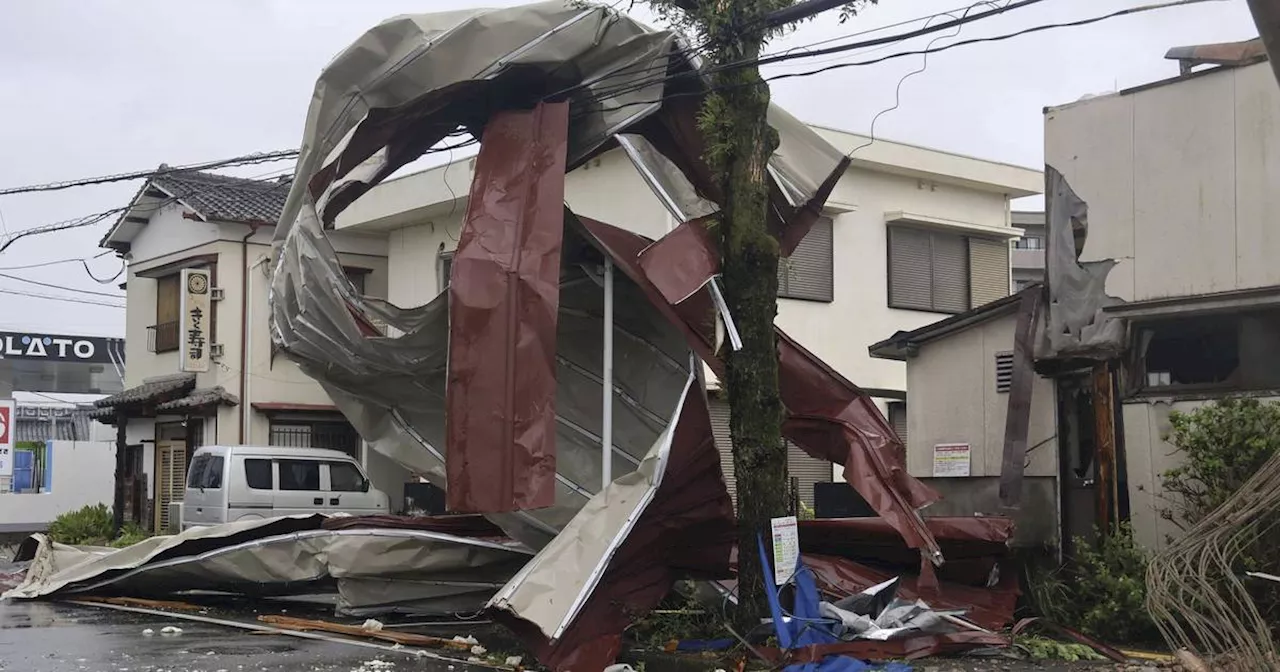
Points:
(951, 459)
(195, 337)
(786, 549)
(8, 422)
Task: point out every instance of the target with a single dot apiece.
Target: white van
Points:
(230, 483)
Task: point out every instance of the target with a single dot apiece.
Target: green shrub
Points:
(88, 526)
(130, 535)
(1102, 592)
(1222, 445)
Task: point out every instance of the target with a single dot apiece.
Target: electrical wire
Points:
(68, 299)
(924, 65)
(56, 261)
(247, 159)
(996, 38)
(61, 287)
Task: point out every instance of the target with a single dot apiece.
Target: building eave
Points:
(904, 344)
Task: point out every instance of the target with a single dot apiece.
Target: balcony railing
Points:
(163, 337)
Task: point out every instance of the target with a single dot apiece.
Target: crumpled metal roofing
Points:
(406, 85)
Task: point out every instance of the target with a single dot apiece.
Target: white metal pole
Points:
(606, 376)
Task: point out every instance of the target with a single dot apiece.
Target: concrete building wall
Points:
(78, 468)
(1180, 181)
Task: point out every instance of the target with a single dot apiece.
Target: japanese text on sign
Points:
(786, 549)
(195, 336)
(951, 459)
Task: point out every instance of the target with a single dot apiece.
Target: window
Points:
(945, 272)
(1029, 243)
(323, 433)
(1004, 372)
(357, 277)
(163, 335)
(444, 265)
(898, 418)
(299, 475)
(205, 472)
(809, 272)
(1208, 352)
(257, 474)
(345, 477)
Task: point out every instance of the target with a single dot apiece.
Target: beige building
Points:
(222, 225)
(1174, 214)
(910, 235)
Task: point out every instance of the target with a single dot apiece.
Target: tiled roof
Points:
(151, 390)
(227, 199)
(206, 396)
(66, 427)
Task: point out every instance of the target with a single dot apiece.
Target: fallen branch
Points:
(140, 602)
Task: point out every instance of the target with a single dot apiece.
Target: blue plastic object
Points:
(805, 625)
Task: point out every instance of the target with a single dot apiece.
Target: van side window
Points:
(299, 475)
(345, 477)
(257, 474)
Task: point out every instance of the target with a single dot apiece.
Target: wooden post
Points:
(1107, 486)
(1017, 421)
(117, 509)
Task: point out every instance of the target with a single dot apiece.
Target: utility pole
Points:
(739, 143)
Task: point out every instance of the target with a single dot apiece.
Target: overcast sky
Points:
(97, 86)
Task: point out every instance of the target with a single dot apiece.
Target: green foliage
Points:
(1222, 445)
(89, 525)
(1043, 648)
(92, 525)
(1102, 592)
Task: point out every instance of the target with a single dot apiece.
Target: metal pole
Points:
(606, 376)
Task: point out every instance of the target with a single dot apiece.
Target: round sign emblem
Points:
(197, 283)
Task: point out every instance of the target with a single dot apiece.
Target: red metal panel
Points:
(503, 300)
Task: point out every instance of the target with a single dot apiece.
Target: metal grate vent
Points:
(1004, 371)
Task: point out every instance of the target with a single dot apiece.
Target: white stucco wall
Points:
(952, 398)
(81, 476)
(1180, 179)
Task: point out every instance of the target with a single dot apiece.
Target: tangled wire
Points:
(1194, 593)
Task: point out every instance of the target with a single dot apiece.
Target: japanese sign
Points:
(59, 348)
(7, 421)
(786, 549)
(951, 459)
(195, 337)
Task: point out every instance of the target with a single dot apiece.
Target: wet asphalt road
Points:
(47, 637)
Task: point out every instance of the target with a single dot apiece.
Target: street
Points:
(49, 637)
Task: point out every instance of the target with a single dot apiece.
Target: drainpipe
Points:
(244, 328)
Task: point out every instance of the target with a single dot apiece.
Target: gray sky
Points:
(95, 86)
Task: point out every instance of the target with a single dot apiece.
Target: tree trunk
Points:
(740, 142)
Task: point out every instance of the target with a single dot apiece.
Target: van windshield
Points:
(205, 472)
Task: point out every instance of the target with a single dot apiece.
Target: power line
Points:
(996, 38)
(247, 159)
(56, 261)
(68, 299)
(62, 287)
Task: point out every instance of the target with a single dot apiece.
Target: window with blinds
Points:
(1004, 371)
(898, 418)
(945, 272)
(809, 272)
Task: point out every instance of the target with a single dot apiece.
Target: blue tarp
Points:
(805, 626)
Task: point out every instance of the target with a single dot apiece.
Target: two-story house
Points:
(1161, 294)
(910, 234)
(217, 379)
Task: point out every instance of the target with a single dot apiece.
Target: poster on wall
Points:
(7, 420)
(195, 338)
(951, 459)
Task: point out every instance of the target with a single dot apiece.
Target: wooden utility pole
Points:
(739, 143)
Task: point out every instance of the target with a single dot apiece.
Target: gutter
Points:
(244, 329)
